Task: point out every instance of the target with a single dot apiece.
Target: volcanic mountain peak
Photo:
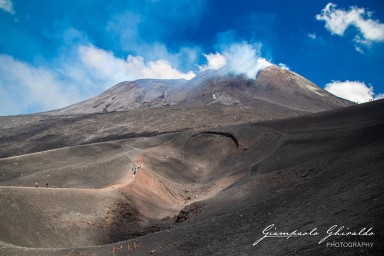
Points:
(292, 78)
(290, 89)
(273, 84)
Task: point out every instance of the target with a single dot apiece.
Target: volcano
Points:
(273, 85)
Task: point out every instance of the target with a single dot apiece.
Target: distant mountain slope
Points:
(274, 85)
(129, 95)
(32, 133)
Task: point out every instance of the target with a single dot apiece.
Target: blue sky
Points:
(55, 53)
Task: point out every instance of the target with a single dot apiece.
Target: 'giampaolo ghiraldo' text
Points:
(334, 231)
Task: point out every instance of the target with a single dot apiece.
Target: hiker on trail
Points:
(36, 184)
(46, 185)
(135, 169)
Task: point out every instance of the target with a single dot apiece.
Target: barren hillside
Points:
(210, 191)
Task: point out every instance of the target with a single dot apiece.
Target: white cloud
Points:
(237, 58)
(244, 58)
(134, 67)
(7, 5)
(283, 66)
(338, 20)
(214, 61)
(359, 49)
(352, 90)
(25, 87)
(312, 35)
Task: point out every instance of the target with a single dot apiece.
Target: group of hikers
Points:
(46, 185)
(135, 169)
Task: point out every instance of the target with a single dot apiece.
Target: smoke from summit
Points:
(239, 59)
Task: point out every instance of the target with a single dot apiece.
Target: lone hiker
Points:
(36, 184)
(46, 185)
